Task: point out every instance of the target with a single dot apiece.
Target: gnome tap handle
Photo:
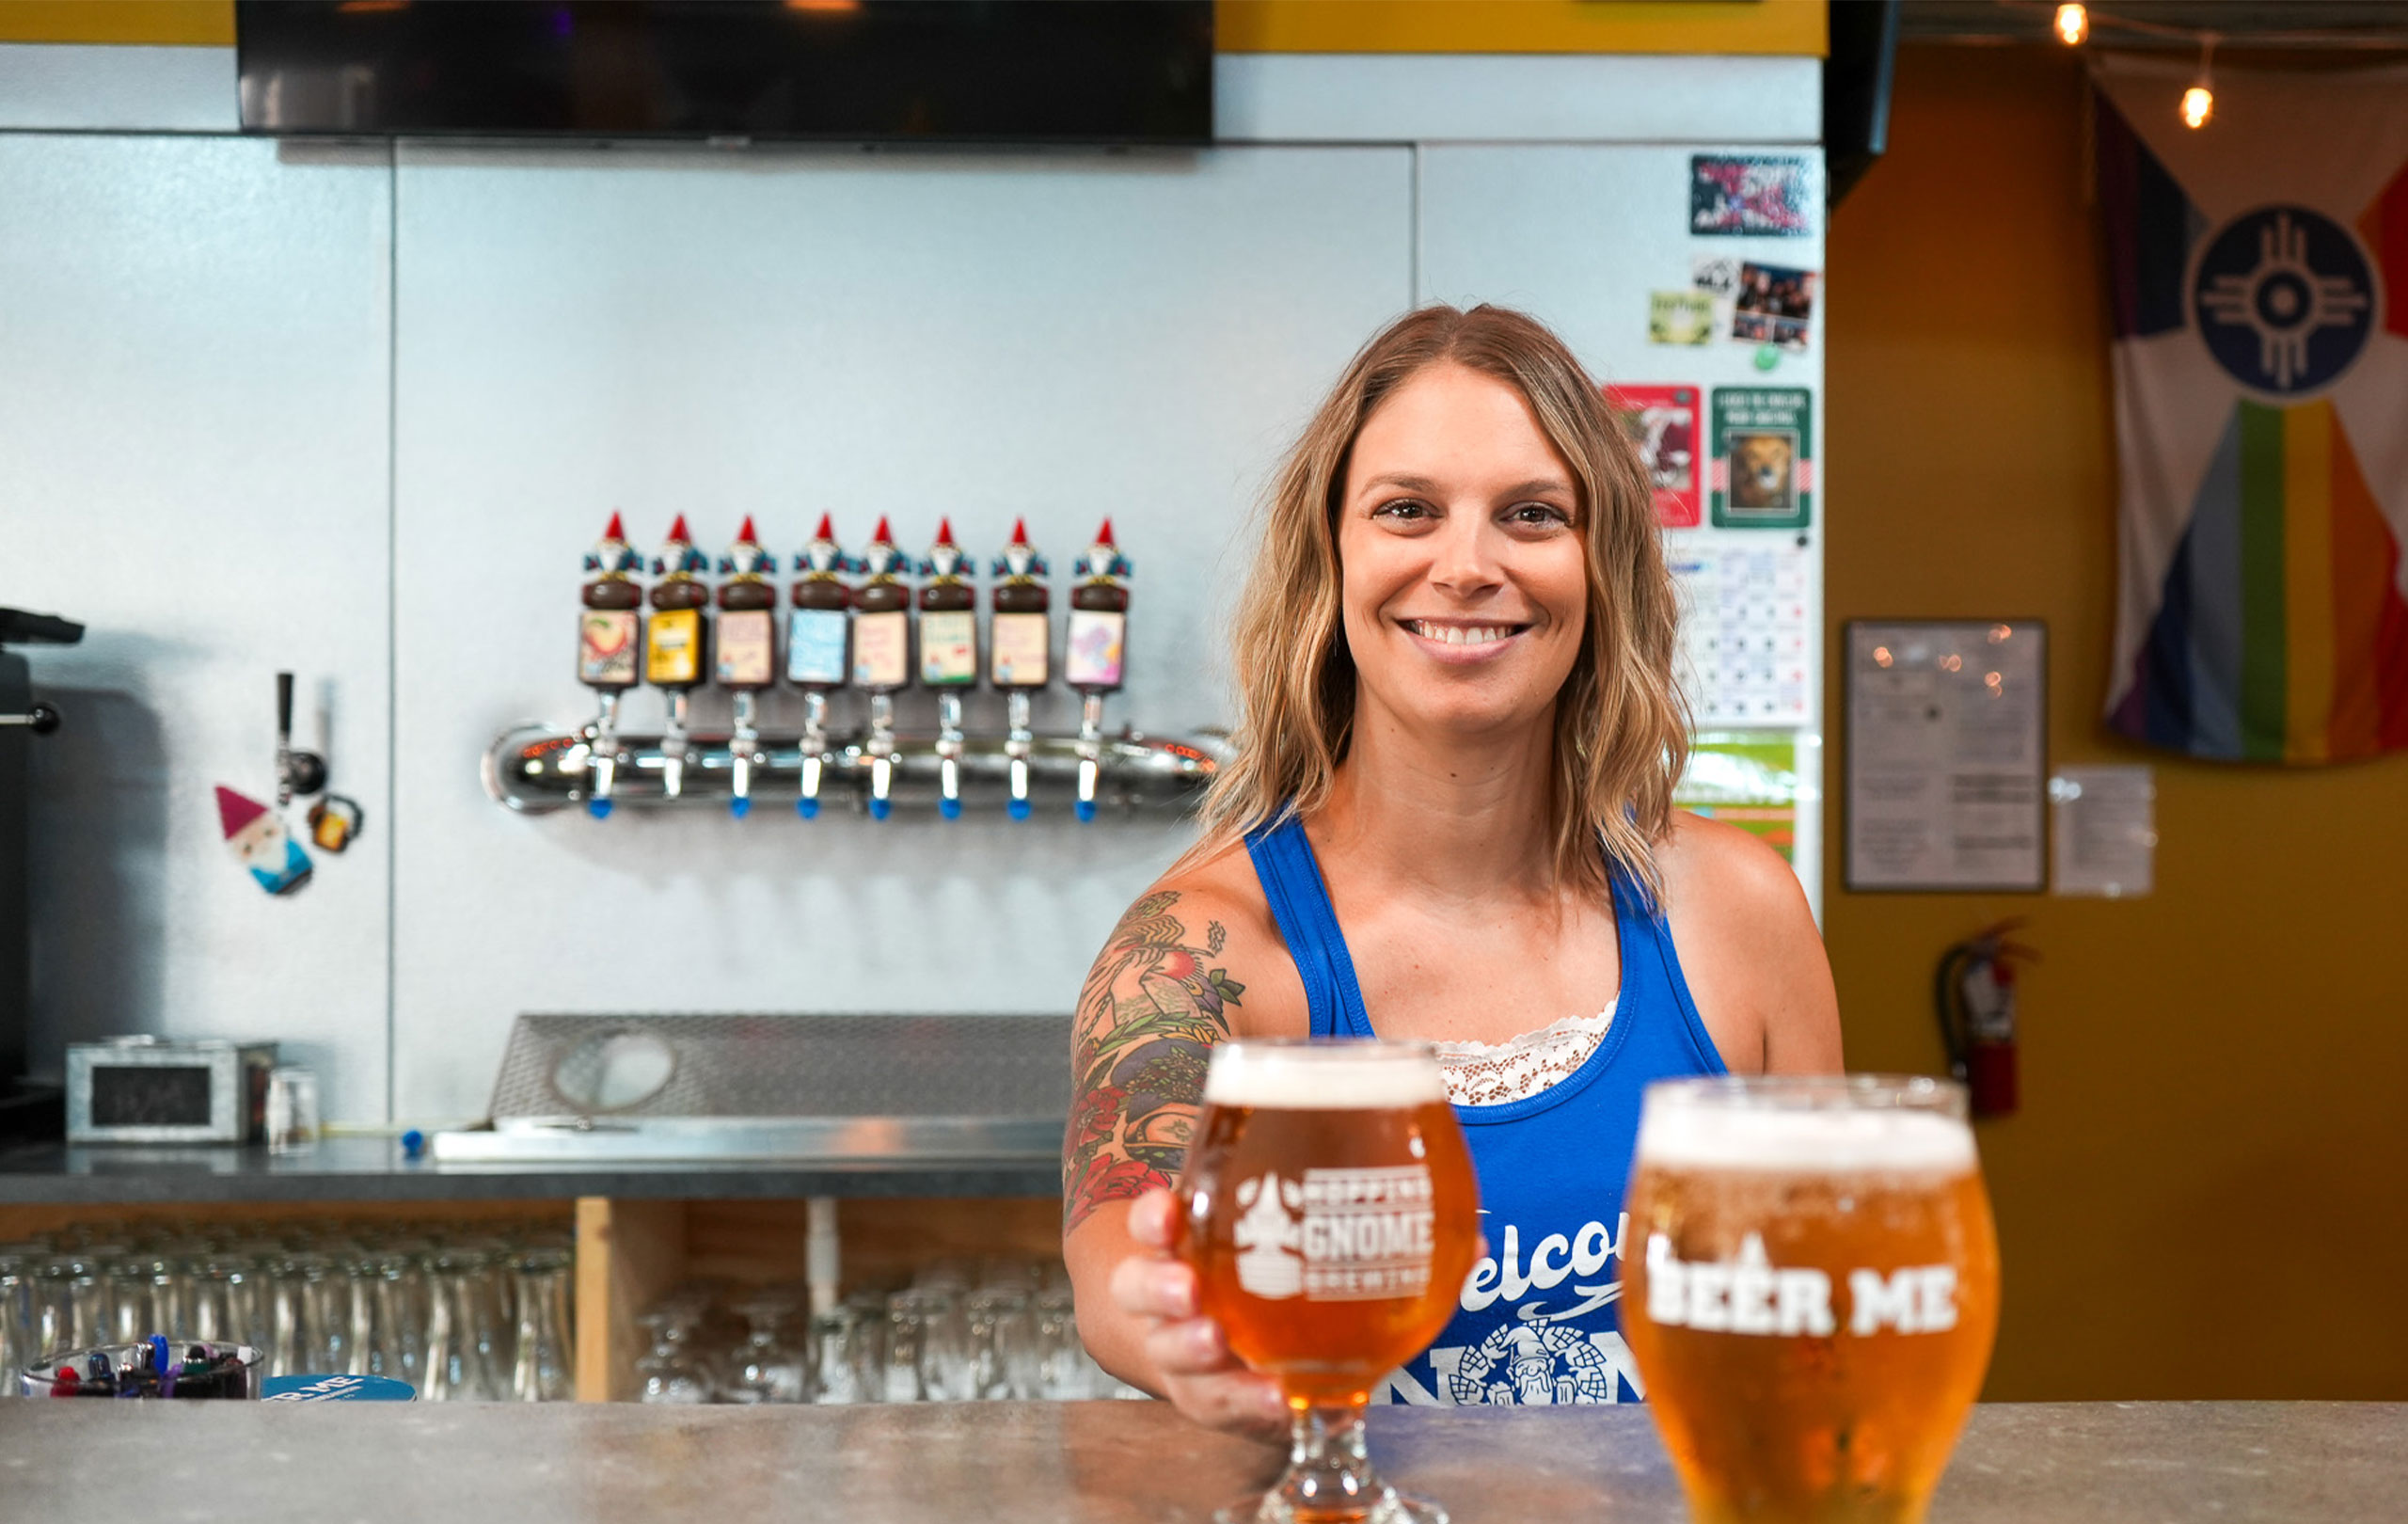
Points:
(1092, 663)
(949, 655)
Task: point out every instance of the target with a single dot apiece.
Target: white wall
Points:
(194, 349)
(200, 456)
(1057, 336)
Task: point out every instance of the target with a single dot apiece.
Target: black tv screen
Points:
(960, 71)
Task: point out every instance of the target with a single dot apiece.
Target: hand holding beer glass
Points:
(1813, 1305)
(1329, 1210)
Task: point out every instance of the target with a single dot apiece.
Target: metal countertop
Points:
(374, 1169)
(1120, 1463)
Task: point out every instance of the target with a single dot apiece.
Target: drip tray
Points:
(713, 1087)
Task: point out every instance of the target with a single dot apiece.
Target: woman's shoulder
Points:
(1206, 918)
(1749, 948)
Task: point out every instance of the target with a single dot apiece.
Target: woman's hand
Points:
(1198, 1373)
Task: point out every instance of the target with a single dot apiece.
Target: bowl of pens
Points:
(157, 1367)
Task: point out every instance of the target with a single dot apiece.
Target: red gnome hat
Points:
(884, 535)
(617, 530)
(745, 535)
(677, 531)
(944, 531)
(1103, 536)
(234, 810)
(826, 527)
(1019, 532)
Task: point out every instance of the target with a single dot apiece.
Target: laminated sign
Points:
(2257, 277)
(1763, 457)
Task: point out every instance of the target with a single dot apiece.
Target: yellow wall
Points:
(2206, 1193)
(1760, 26)
(168, 23)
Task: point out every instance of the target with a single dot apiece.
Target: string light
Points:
(2073, 23)
(2199, 101)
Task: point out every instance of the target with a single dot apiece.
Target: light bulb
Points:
(2073, 23)
(2198, 105)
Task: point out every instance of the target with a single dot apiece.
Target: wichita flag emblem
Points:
(2258, 271)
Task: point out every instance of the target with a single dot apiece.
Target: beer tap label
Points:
(1092, 658)
(815, 648)
(948, 647)
(746, 658)
(880, 654)
(1337, 1235)
(606, 648)
(1021, 656)
(675, 656)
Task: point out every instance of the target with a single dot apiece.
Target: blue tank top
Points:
(1536, 1321)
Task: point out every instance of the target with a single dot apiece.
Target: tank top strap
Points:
(1651, 974)
(1292, 884)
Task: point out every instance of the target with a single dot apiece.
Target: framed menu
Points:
(1947, 754)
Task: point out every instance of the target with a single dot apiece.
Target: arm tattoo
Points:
(1147, 1017)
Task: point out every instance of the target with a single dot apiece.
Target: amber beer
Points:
(1811, 1292)
(1331, 1211)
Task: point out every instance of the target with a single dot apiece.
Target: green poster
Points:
(1748, 779)
(1763, 457)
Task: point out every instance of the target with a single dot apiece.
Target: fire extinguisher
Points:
(1974, 991)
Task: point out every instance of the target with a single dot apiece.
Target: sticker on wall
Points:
(1773, 305)
(257, 837)
(1763, 457)
(1680, 317)
(1665, 423)
(1750, 195)
(1748, 779)
(1716, 274)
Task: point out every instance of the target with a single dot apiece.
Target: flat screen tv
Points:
(1081, 71)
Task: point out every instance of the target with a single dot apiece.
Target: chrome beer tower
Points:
(852, 622)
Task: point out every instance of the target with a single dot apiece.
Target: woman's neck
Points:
(1448, 816)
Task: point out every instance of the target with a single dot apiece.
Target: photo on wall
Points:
(1663, 422)
(1773, 305)
(1763, 457)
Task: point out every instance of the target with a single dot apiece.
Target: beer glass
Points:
(1331, 1215)
(1814, 1305)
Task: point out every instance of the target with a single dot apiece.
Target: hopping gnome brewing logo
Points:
(1268, 1237)
(1338, 1236)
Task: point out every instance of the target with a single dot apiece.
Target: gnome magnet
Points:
(256, 835)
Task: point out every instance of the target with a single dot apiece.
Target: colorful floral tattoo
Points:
(1148, 1018)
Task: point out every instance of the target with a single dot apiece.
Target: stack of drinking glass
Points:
(463, 1312)
(962, 1331)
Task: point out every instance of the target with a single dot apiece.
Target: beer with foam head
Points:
(1813, 1293)
(1331, 1213)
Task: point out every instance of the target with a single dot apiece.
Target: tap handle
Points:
(284, 710)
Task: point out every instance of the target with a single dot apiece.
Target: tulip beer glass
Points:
(1331, 1215)
(1815, 1302)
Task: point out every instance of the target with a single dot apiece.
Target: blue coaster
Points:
(336, 1389)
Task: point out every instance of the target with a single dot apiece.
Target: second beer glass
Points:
(1813, 1307)
(1331, 1215)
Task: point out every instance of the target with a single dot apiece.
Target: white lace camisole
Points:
(1491, 1073)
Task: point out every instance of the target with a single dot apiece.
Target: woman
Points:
(1449, 820)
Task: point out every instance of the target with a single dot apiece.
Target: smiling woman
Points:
(1448, 820)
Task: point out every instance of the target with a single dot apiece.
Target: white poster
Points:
(1947, 755)
(2105, 835)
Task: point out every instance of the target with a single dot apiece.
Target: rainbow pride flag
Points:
(2262, 410)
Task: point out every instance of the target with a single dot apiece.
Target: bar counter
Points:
(376, 1170)
(1116, 1463)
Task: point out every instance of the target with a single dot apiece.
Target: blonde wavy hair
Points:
(1620, 724)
